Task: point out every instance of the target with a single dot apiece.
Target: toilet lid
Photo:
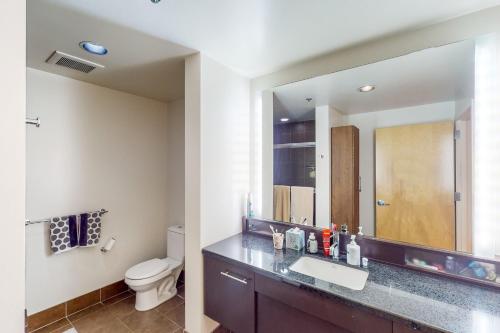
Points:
(146, 269)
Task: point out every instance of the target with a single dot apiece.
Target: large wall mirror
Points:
(400, 148)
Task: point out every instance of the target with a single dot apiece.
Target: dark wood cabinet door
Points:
(229, 295)
(276, 317)
(309, 303)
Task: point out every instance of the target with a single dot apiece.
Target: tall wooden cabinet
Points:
(345, 185)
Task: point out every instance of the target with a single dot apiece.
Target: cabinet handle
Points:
(415, 326)
(226, 274)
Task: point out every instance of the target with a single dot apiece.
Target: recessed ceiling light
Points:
(284, 120)
(93, 48)
(366, 88)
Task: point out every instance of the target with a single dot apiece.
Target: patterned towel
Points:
(90, 228)
(63, 233)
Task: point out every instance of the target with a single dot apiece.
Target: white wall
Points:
(264, 189)
(96, 148)
(12, 143)
(326, 118)
(217, 168)
(192, 208)
(367, 123)
(175, 162)
(323, 121)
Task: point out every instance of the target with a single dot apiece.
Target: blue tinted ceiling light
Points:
(93, 48)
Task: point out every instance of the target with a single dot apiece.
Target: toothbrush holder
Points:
(278, 240)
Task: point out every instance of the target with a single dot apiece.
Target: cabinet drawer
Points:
(341, 315)
(229, 295)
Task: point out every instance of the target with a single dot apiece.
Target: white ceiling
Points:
(137, 63)
(256, 37)
(430, 76)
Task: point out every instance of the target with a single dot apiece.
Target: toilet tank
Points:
(175, 242)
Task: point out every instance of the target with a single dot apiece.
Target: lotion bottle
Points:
(353, 252)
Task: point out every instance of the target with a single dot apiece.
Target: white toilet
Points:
(154, 281)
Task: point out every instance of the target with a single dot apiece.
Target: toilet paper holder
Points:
(109, 245)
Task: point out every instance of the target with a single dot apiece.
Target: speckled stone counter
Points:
(438, 303)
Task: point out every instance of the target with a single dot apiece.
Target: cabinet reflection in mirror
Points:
(388, 146)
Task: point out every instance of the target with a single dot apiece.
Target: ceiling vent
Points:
(78, 64)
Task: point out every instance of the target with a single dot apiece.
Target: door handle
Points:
(382, 203)
(226, 274)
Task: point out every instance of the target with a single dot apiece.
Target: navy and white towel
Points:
(63, 233)
(90, 229)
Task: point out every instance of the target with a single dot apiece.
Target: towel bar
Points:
(29, 222)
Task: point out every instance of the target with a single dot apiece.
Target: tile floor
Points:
(118, 314)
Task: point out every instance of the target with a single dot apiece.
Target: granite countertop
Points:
(443, 304)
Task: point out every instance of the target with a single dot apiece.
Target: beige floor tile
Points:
(149, 322)
(122, 308)
(177, 315)
(101, 321)
(169, 305)
(112, 326)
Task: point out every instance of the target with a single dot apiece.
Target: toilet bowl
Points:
(154, 281)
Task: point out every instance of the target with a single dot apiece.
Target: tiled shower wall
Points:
(295, 166)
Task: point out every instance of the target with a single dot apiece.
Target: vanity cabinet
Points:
(245, 302)
(229, 295)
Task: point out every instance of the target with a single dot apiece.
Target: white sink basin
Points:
(348, 277)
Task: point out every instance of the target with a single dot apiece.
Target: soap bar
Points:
(295, 239)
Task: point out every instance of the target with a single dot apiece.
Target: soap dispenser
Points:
(312, 243)
(353, 252)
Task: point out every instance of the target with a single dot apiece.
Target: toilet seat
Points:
(147, 269)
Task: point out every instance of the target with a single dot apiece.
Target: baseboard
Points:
(63, 310)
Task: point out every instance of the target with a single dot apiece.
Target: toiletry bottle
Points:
(312, 243)
(334, 249)
(249, 205)
(343, 239)
(353, 252)
(326, 242)
(449, 264)
(359, 236)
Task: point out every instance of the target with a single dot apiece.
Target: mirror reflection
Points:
(386, 147)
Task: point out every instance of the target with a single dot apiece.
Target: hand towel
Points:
(281, 202)
(302, 204)
(63, 234)
(90, 229)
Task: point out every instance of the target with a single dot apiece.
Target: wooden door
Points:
(415, 184)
